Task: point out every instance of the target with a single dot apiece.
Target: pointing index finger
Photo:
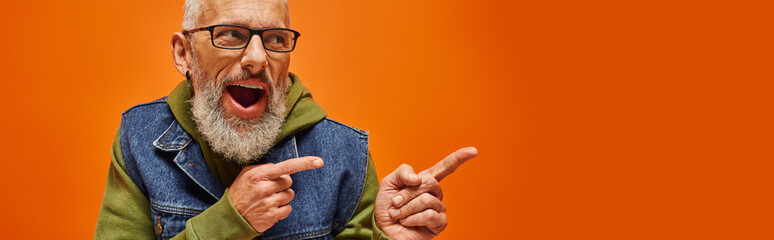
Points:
(447, 166)
(294, 165)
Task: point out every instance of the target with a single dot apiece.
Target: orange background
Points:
(594, 119)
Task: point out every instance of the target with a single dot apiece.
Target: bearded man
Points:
(240, 150)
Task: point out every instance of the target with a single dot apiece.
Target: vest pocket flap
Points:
(169, 221)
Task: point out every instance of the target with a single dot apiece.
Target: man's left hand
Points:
(408, 205)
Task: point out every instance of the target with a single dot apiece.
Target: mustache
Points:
(263, 76)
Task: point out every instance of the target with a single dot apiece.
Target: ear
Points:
(181, 53)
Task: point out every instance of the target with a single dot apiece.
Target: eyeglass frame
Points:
(259, 32)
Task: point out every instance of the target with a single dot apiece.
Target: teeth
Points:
(252, 86)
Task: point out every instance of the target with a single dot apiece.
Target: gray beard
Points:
(238, 140)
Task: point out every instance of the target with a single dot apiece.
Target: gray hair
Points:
(192, 11)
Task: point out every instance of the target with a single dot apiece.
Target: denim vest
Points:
(168, 166)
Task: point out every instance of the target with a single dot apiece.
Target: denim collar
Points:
(175, 138)
(189, 158)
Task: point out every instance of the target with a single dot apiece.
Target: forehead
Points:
(249, 13)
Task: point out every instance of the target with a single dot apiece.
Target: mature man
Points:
(241, 150)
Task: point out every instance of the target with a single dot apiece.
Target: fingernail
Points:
(394, 212)
(317, 163)
(397, 200)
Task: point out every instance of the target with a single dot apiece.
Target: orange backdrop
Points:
(594, 119)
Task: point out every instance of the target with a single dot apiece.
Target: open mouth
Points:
(246, 94)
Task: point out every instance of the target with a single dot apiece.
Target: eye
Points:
(230, 36)
(231, 33)
(276, 38)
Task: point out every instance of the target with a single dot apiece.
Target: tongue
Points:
(244, 96)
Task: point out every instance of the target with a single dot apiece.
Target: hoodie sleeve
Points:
(125, 212)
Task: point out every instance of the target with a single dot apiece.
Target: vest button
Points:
(190, 164)
(159, 229)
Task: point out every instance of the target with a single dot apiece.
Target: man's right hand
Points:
(261, 193)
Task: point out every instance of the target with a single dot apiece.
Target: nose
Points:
(254, 58)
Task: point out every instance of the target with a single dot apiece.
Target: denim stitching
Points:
(177, 208)
(126, 150)
(157, 208)
(169, 209)
(166, 135)
(361, 185)
(160, 100)
(299, 235)
(321, 234)
(178, 145)
(350, 127)
(311, 236)
(198, 181)
(162, 140)
(174, 212)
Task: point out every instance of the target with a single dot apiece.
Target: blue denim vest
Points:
(168, 166)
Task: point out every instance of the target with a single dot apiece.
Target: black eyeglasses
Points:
(237, 37)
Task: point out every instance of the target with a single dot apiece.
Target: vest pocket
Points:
(169, 221)
(316, 234)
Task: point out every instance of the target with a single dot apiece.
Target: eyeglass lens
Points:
(238, 37)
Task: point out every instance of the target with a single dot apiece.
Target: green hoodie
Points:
(125, 211)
